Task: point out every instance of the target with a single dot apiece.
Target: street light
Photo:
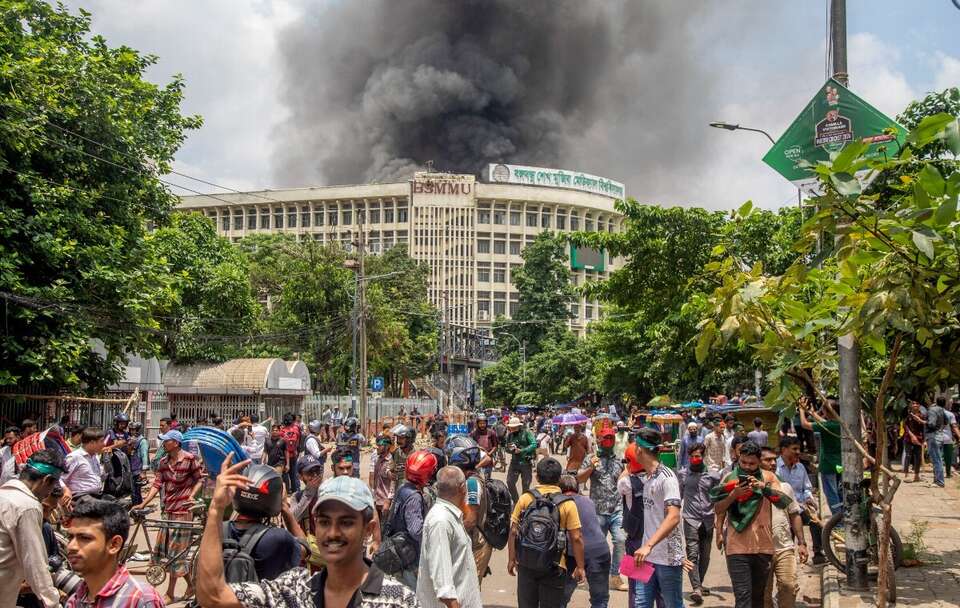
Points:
(523, 359)
(730, 127)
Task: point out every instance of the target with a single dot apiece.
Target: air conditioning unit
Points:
(483, 315)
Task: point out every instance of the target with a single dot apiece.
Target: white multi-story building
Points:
(469, 233)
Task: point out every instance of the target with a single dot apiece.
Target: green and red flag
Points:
(741, 513)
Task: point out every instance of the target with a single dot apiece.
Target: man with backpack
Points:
(542, 523)
(630, 489)
(313, 444)
(403, 531)
(139, 456)
(275, 451)
(522, 445)
(344, 514)
(486, 438)
(487, 506)
(253, 549)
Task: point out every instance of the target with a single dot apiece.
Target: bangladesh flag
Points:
(746, 507)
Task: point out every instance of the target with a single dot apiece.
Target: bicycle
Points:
(156, 571)
(834, 542)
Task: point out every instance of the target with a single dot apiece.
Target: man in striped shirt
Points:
(97, 532)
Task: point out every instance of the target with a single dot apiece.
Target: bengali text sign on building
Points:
(557, 178)
(833, 118)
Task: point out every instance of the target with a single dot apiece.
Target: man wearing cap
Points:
(692, 438)
(522, 445)
(22, 553)
(344, 515)
(180, 478)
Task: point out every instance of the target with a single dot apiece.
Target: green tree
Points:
(544, 295)
(213, 295)
(83, 138)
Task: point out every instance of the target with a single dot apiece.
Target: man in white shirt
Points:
(448, 573)
(786, 524)
(84, 474)
(22, 554)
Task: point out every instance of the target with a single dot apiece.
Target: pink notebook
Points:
(628, 568)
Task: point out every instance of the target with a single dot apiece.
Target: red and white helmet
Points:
(421, 465)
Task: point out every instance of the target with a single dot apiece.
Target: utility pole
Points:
(849, 371)
(449, 348)
(362, 325)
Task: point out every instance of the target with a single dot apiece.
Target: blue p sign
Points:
(376, 384)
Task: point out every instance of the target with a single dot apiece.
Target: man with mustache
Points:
(97, 532)
(344, 518)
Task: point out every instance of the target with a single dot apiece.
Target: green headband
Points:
(46, 469)
(645, 444)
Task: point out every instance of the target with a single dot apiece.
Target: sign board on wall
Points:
(442, 189)
(290, 384)
(587, 258)
(833, 118)
(555, 178)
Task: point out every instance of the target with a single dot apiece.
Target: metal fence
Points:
(313, 406)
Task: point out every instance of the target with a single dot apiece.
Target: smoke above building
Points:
(375, 89)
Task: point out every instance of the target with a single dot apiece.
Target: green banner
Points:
(832, 119)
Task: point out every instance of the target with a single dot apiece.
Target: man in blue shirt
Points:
(792, 471)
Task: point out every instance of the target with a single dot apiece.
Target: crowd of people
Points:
(579, 505)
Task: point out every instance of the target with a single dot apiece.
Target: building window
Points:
(483, 305)
(483, 246)
(499, 275)
(483, 217)
(483, 275)
(588, 224)
(589, 311)
(305, 218)
(238, 220)
(575, 310)
(278, 218)
(332, 217)
(264, 220)
(514, 247)
(225, 222)
(561, 222)
(388, 216)
(402, 214)
(318, 218)
(499, 308)
(499, 217)
(292, 217)
(347, 216)
(532, 220)
(252, 219)
(500, 247)
(374, 216)
(574, 222)
(514, 218)
(514, 306)
(545, 220)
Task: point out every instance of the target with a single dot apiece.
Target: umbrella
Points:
(573, 419)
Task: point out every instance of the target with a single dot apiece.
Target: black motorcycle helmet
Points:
(351, 424)
(405, 432)
(262, 498)
(288, 419)
(463, 452)
(121, 417)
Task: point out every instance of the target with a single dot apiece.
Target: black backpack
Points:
(541, 542)
(496, 524)
(398, 550)
(119, 478)
(238, 563)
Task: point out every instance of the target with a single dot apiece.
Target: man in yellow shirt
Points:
(544, 531)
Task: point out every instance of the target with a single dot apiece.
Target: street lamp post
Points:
(732, 127)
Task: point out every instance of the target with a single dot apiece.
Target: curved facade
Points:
(469, 233)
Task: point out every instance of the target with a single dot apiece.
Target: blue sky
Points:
(763, 59)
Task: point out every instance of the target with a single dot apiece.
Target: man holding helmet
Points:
(22, 553)
(274, 550)
(344, 516)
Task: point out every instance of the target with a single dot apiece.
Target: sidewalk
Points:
(937, 582)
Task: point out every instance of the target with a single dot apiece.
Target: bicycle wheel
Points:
(835, 548)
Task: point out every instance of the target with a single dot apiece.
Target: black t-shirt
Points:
(277, 551)
(276, 451)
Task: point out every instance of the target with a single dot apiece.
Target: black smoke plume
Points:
(377, 88)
